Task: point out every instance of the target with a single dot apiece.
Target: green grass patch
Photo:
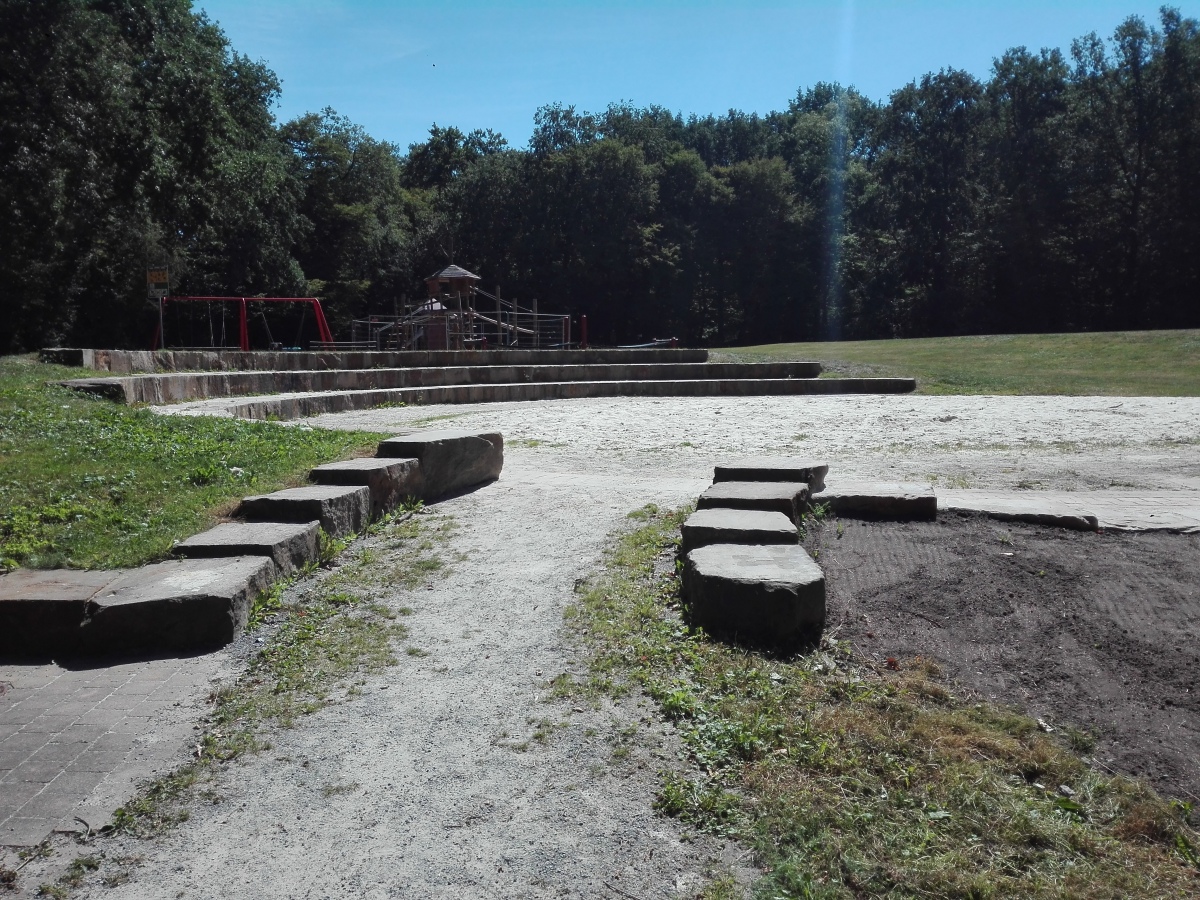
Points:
(1119, 363)
(87, 483)
(854, 780)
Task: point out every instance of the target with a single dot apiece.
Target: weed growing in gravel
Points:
(855, 780)
(89, 483)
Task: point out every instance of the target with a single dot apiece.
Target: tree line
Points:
(1062, 193)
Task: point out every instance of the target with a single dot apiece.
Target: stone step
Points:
(301, 405)
(289, 546)
(788, 469)
(341, 510)
(883, 501)
(765, 596)
(737, 526)
(787, 497)
(390, 481)
(125, 362)
(41, 610)
(450, 460)
(177, 387)
(180, 606)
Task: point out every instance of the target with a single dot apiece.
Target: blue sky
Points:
(397, 67)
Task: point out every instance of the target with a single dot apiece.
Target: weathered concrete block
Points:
(769, 596)
(450, 460)
(866, 500)
(389, 480)
(341, 510)
(787, 497)
(289, 546)
(184, 605)
(774, 469)
(737, 526)
(41, 611)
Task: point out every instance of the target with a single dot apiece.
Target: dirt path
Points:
(421, 787)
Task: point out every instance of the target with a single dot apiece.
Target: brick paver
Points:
(76, 742)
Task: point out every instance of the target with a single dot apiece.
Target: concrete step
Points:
(297, 406)
(765, 596)
(773, 468)
(737, 526)
(390, 481)
(41, 610)
(450, 460)
(180, 606)
(124, 362)
(341, 510)
(289, 546)
(174, 388)
(787, 497)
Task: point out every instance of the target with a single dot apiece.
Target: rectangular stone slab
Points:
(787, 497)
(40, 611)
(179, 606)
(290, 546)
(766, 596)
(808, 471)
(389, 480)
(737, 526)
(450, 460)
(340, 509)
(869, 500)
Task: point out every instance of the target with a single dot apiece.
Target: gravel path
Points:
(419, 787)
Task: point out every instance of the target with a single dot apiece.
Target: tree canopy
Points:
(1062, 193)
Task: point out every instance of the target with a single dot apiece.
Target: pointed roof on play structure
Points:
(453, 271)
(451, 280)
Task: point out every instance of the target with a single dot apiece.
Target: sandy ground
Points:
(440, 803)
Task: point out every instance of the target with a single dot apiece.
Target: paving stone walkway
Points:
(75, 742)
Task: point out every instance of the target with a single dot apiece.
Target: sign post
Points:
(158, 285)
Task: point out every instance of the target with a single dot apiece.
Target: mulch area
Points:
(1095, 631)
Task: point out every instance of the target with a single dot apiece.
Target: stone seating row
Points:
(202, 599)
(745, 576)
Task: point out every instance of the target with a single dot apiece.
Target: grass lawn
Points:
(849, 779)
(1119, 363)
(90, 484)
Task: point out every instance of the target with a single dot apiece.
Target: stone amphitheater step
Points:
(341, 510)
(299, 405)
(771, 596)
(449, 460)
(787, 497)
(289, 545)
(390, 481)
(176, 387)
(124, 362)
(737, 526)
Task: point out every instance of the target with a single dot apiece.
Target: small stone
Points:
(737, 526)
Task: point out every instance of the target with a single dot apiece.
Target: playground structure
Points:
(242, 318)
(459, 315)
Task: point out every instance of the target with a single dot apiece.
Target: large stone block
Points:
(390, 481)
(289, 546)
(767, 596)
(737, 526)
(179, 606)
(450, 460)
(787, 497)
(866, 500)
(341, 510)
(774, 469)
(41, 611)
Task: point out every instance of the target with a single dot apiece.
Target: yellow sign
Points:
(158, 282)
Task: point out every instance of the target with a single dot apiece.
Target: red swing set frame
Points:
(323, 331)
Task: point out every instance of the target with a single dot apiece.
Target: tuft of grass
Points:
(88, 483)
(849, 779)
(1120, 363)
